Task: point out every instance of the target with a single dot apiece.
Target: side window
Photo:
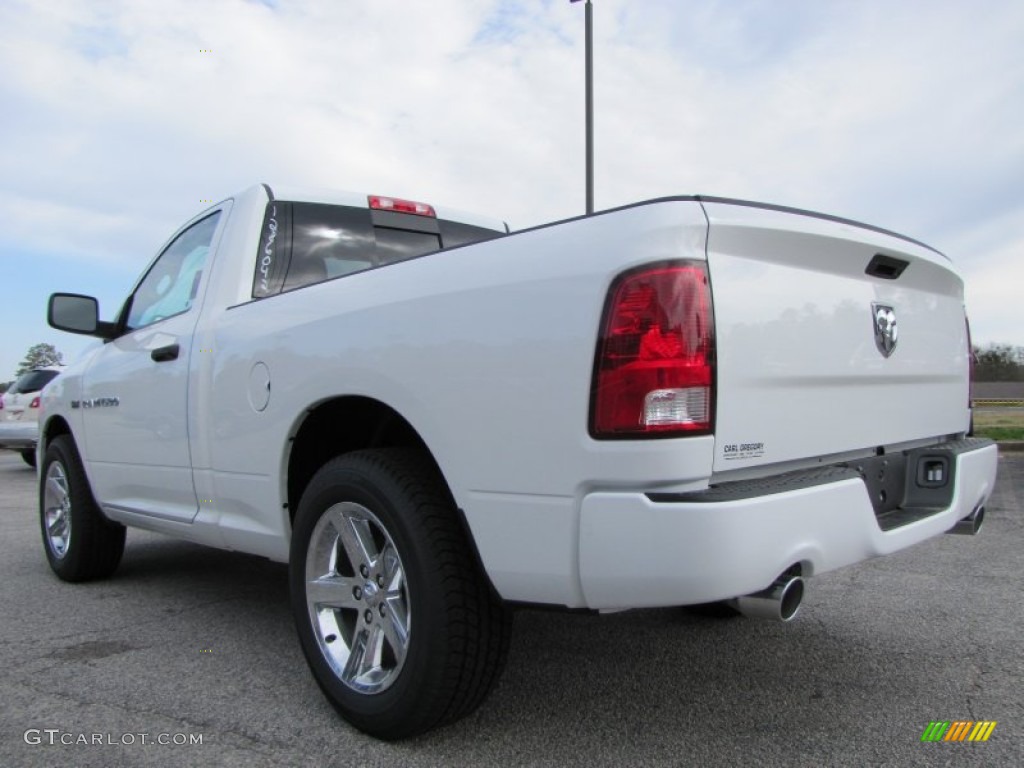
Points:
(170, 286)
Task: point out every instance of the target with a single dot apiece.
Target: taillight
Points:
(653, 375)
(397, 205)
(35, 402)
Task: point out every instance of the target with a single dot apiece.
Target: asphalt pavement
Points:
(195, 648)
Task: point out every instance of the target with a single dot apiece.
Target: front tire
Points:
(29, 457)
(80, 543)
(399, 627)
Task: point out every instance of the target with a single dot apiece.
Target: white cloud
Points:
(991, 257)
(118, 122)
(67, 231)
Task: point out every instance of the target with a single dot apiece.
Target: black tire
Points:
(29, 457)
(80, 543)
(444, 635)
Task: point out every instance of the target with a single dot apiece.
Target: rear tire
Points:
(398, 625)
(29, 457)
(80, 543)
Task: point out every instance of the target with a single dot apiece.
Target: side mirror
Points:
(75, 313)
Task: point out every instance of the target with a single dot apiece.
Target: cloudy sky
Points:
(121, 118)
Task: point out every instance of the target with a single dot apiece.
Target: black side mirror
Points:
(75, 313)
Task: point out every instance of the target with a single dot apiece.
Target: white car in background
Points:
(19, 412)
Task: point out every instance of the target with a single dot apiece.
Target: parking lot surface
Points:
(187, 644)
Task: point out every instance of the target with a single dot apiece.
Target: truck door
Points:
(135, 391)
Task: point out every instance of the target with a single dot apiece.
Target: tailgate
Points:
(832, 337)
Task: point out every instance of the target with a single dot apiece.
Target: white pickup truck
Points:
(686, 401)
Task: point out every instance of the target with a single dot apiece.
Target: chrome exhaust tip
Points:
(780, 602)
(970, 525)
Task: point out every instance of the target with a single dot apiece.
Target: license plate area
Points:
(910, 485)
(885, 478)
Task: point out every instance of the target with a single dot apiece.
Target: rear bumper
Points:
(19, 435)
(636, 551)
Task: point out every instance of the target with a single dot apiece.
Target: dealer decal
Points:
(738, 451)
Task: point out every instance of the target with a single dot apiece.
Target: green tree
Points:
(38, 356)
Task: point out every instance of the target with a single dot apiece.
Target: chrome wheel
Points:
(377, 546)
(357, 598)
(80, 543)
(57, 510)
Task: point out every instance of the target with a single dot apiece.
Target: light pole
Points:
(589, 45)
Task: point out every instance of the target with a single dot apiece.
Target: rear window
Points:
(33, 381)
(306, 243)
(455, 233)
(400, 244)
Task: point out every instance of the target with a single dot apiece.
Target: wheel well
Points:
(342, 425)
(54, 427)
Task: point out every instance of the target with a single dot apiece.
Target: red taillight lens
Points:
(35, 402)
(653, 373)
(379, 203)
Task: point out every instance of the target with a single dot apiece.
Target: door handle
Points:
(163, 354)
